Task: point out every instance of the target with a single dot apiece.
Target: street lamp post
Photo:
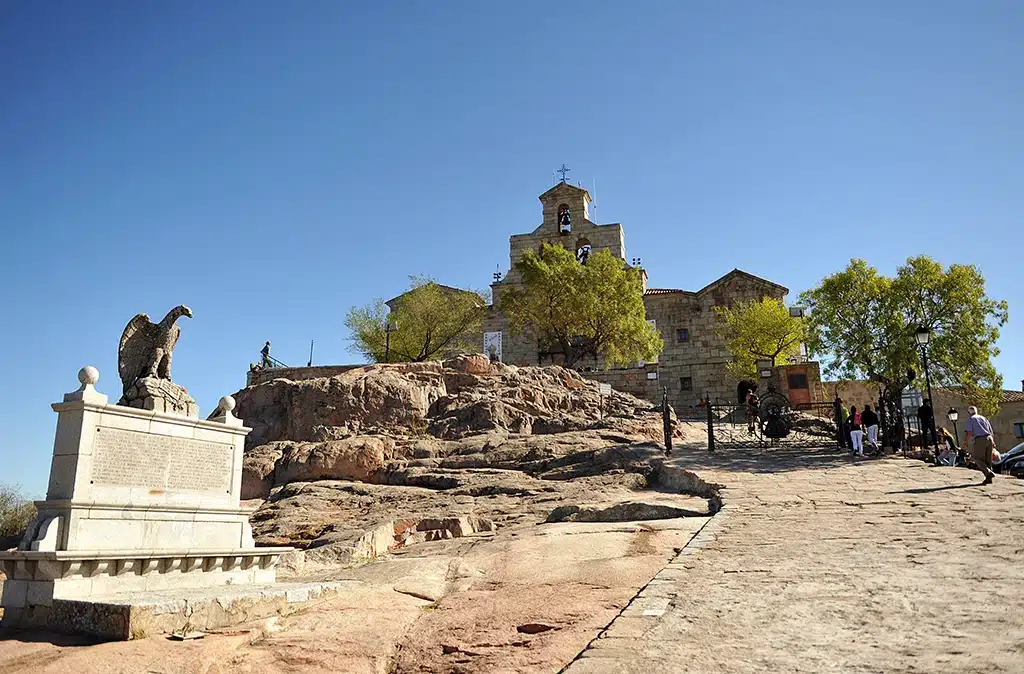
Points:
(389, 327)
(953, 415)
(923, 335)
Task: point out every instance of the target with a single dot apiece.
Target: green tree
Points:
(594, 309)
(864, 323)
(759, 329)
(431, 321)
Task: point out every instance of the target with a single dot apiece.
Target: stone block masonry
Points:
(138, 501)
(296, 373)
(692, 365)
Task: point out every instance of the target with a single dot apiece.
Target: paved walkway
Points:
(820, 564)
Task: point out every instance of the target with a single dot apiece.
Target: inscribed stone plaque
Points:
(135, 459)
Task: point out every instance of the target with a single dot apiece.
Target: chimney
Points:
(1022, 385)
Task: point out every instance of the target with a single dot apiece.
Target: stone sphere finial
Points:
(227, 403)
(88, 376)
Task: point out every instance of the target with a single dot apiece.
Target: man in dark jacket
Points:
(927, 419)
(869, 418)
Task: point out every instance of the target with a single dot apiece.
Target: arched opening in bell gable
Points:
(583, 249)
(564, 219)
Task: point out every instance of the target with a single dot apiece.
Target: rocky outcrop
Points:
(449, 400)
(345, 463)
(356, 458)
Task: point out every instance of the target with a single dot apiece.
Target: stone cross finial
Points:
(565, 169)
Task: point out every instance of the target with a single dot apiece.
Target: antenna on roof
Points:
(593, 199)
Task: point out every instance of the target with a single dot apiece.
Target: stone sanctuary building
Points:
(692, 364)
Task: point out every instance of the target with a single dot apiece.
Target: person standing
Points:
(870, 420)
(926, 416)
(856, 432)
(978, 439)
(265, 353)
(753, 411)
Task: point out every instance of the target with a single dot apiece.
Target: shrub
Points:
(16, 512)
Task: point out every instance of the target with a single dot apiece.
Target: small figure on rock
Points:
(265, 353)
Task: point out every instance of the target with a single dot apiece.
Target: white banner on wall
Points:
(492, 345)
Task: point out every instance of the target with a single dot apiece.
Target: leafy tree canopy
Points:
(594, 309)
(759, 329)
(865, 322)
(430, 322)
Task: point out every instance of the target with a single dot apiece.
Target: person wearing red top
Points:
(856, 432)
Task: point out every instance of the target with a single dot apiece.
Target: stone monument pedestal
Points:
(138, 501)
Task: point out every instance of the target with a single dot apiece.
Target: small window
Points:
(686, 383)
(797, 381)
(682, 334)
(1018, 430)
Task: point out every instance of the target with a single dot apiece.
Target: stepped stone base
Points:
(127, 615)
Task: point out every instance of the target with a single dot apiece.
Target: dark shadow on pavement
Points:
(45, 636)
(769, 460)
(928, 490)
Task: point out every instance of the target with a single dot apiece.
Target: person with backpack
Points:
(870, 420)
(856, 432)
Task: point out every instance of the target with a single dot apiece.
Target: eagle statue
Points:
(145, 349)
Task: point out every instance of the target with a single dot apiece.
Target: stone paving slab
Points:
(818, 563)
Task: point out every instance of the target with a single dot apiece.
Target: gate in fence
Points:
(776, 422)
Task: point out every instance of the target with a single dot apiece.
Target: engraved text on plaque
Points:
(134, 459)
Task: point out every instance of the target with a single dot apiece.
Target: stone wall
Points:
(634, 380)
(296, 373)
(815, 391)
(853, 392)
(693, 362)
(599, 237)
(692, 365)
(1011, 412)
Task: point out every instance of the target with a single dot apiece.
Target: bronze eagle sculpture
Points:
(145, 349)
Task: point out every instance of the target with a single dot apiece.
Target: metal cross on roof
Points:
(563, 171)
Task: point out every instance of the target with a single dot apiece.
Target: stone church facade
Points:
(692, 364)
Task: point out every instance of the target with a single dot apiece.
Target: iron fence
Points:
(774, 423)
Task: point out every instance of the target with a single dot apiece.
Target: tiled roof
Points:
(1011, 396)
(733, 273)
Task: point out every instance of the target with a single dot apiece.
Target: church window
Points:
(682, 334)
(564, 219)
(686, 383)
(798, 380)
(583, 249)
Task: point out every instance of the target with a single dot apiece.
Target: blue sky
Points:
(272, 164)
